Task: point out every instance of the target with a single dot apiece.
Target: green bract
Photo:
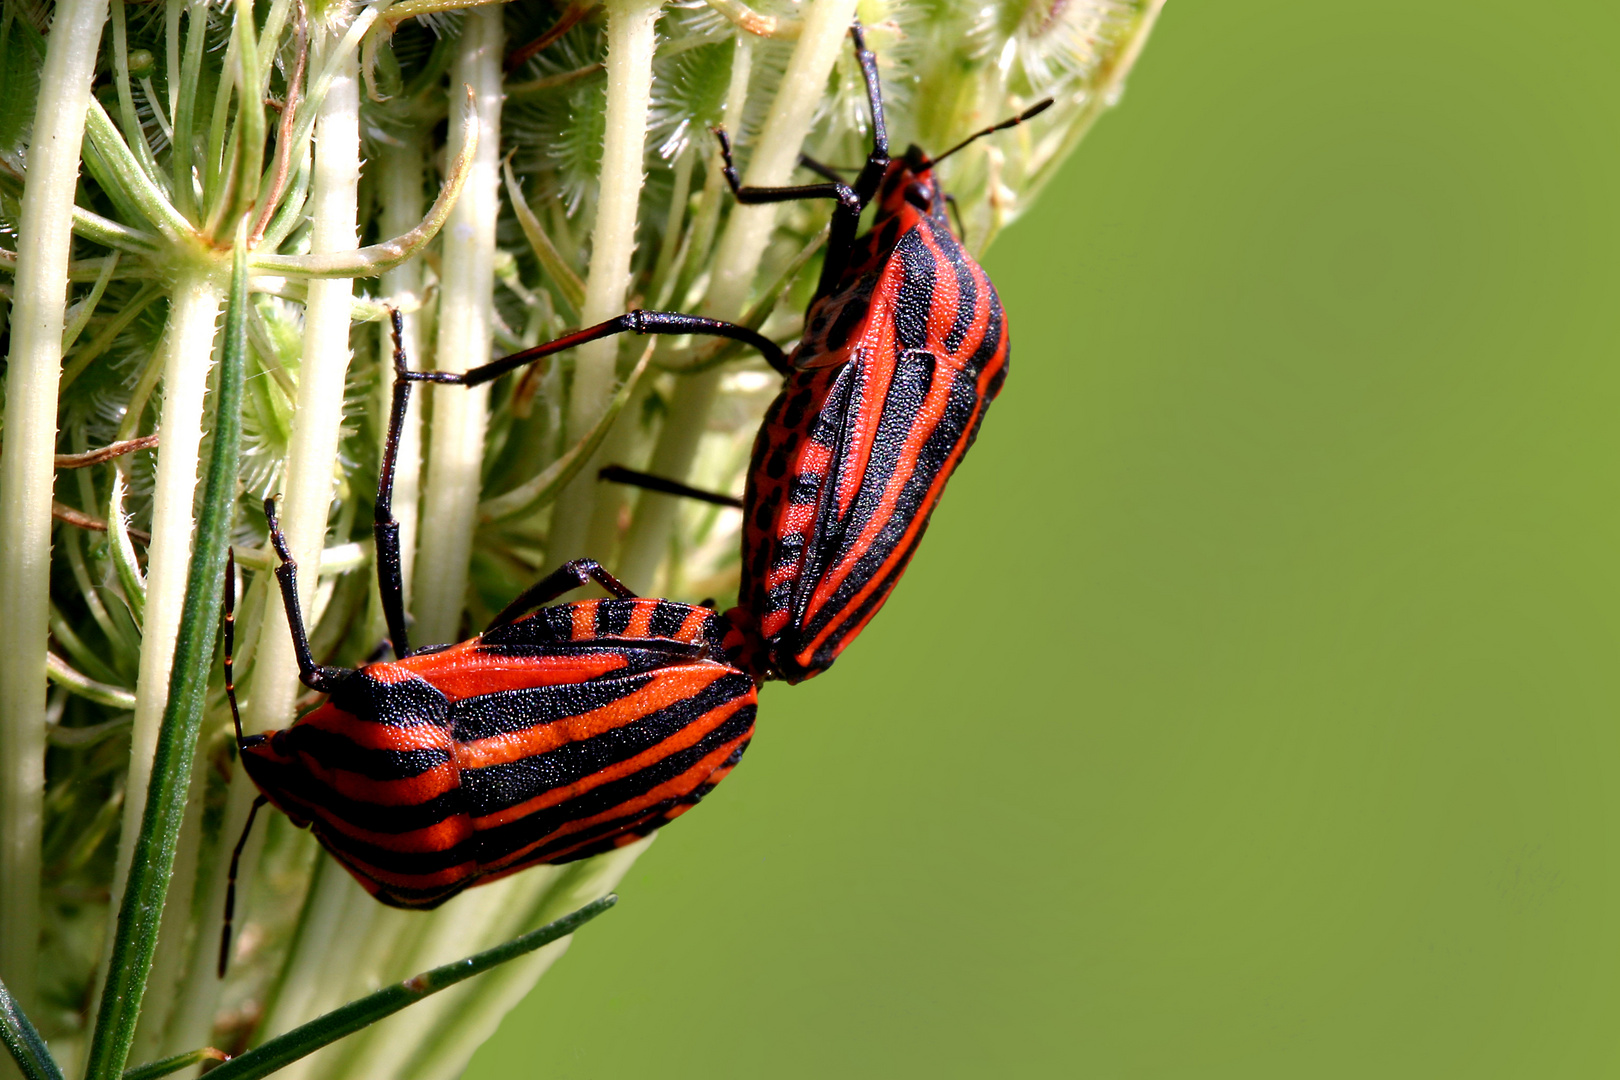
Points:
(236, 190)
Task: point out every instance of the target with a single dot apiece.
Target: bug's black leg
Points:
(230, 885)
(878, 160)
(310, 674)
(837, 189)
(390, 580)
(618, 474)
(566, 578)
(631, 322)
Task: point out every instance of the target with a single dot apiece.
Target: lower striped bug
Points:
(558, 733)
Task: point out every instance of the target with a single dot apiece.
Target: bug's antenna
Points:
(230, 885)
(1029, 113)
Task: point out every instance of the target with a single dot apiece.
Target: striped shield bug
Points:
(558, 733)
(904, 347)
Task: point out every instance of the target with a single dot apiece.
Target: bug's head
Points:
(909, 185)
(276, 770)
(909, 189)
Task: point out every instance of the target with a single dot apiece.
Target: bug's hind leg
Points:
(618, 474)
(566, 578)
(386, 529)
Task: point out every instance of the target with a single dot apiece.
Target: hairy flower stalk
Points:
(738, 254)
(466, 299)
(630, 45)
(25, 482)
(564, 158)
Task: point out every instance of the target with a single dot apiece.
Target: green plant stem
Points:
(188, 351)
(27, 1049)
(470, 1015)
(141, 909)
(315, 978)
(456, 454)
(736, 261)
(584, 520)
(27, 469)
(133, 133)
(155, 1069)
(283, 1049)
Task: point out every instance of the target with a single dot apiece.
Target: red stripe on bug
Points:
(670, 789)
(471, 669)
(690, 735)
(665, 688)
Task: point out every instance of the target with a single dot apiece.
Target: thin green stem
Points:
(115, 326)
(141, 909)
(303, 1040)
(569, 287)
(134, 134)
(377, 259)
(183, 93)
(86, 308)
(471, 1014)
(109, 233)
(541, 489)
(250, 125)
(28, 1050)
(174, 1064)
(187, 353)
(27, 469)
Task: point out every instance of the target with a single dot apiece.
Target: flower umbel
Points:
(237, 191)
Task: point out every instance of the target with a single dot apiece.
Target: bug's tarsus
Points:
(618, 474)
(310, 673)
(230, 883)
(566, 578)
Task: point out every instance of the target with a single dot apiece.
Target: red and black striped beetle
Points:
(556, 734)
(904, 347)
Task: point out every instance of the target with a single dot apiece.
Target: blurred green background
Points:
(1251, 709)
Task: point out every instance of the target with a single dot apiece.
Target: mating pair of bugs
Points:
(565, 731)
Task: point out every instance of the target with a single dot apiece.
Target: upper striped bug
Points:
(554, 735)
(904, 347)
